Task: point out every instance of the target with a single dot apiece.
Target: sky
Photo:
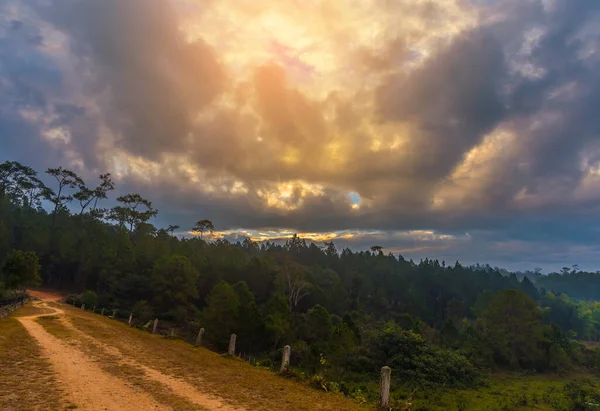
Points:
(455, 129)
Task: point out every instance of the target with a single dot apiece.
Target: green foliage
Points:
(21, 270)
(174, 283)
(576, 284)
(580, 396)
(317, 324)
(221, 313)
(511, 323)
(278, 319)
(89, 298)
(413, 360)
(143, 312)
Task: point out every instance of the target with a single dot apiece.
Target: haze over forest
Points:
(457, 129)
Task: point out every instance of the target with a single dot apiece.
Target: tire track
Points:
(84, 382)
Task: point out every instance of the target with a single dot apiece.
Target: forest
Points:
(345, 313)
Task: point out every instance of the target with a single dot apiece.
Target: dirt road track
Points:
(90, 387)
(86, 384)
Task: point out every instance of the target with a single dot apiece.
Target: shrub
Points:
(142, 312)
(413, 360)
(89, 298)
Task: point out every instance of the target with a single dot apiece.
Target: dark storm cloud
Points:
(155, 82)
(454, 100)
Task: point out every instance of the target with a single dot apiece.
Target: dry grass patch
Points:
(29, 310)
(27, 381)
(234, 381)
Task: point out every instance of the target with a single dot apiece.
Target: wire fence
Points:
(8, 309)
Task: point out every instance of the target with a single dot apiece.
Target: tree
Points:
(528, 288)
(330, 250)
(90, 197)
(20, 184)
(171, 229)
(377, 249)
(101, 192)
(277, 321)
(221, 312)
(318, 324)
(296, 287)
(202, 226)
(134, 211)
(174, 283)
(65, 179)
(512, 323)
(21, 270)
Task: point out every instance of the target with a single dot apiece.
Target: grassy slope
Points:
(26, 379)
(504, 392)
(235, 381)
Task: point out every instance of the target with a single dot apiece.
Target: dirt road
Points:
(88, 386)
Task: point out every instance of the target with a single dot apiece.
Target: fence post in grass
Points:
(102, 313)
(94, 309)
(130, 318)
(173, 332)
(285, 359)
(384, 387)
(231, 350)
(155, 325)
(114, 314)
(83, 307)
(199, 337)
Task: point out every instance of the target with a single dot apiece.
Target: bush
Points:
(319, 381)
(142, 312)
(89, 298)
(412, 360)
(72, 299)
(581, 396)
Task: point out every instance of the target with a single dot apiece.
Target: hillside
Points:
(55, 356)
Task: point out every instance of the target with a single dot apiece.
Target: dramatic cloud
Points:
(459, 129)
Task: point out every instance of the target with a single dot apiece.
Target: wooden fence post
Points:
(285, 360)
(173, 332)
(102, 313)
(83, 307)
(94, 309)
(130, 318)
(199, 337)
(114, 314)
(384, 387)
(155, 325)
(231, 350)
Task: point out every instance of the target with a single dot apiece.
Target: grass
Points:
(235, 381)
(28, 310)
(26, 379)
(508, 391)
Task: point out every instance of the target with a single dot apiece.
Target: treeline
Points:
(576, 284)
(345, 313)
